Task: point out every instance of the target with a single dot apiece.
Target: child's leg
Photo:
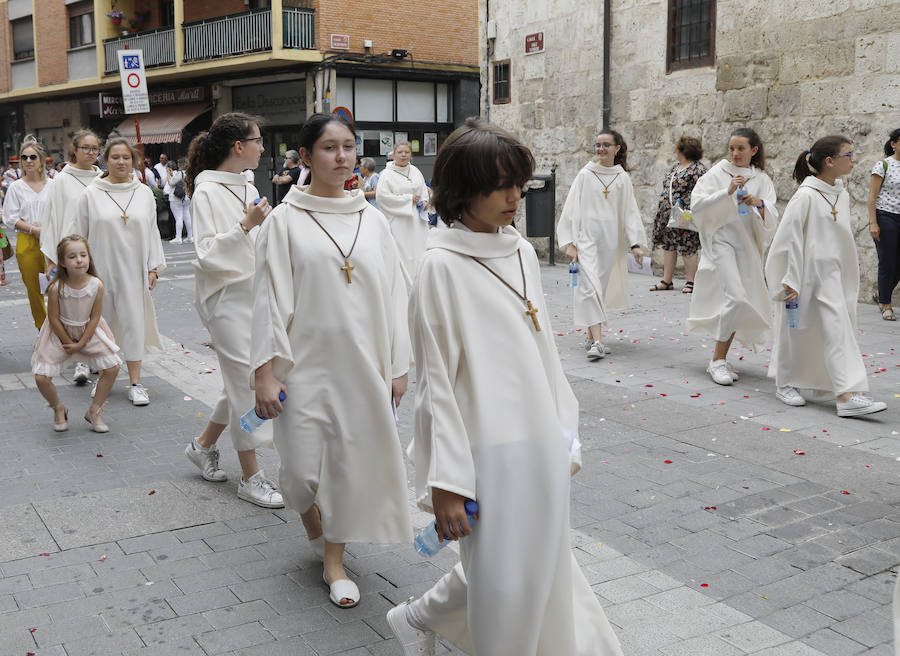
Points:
(48, 391)
(104, 386)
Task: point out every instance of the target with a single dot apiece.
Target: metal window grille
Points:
(299, 27)
(501, 82)
(158, 46)
(691, 34)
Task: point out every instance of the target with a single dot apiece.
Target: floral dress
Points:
(686, 242)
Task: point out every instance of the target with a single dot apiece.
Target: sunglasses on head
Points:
(29, 156)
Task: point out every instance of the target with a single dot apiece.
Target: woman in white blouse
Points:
(22, 210)
(180, 206)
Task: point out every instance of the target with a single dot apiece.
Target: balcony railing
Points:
(299, 28)
(226, 36)
(158, 46)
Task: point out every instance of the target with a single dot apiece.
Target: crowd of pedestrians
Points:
(320, 304)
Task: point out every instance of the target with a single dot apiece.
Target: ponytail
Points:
(813, 160)
(888, 148)
(209, 149)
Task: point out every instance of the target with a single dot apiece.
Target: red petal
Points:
(704, 585)
(844, 492)
(766, 428)
(99, 455)
(800, 452)
(43, 554)
(151, 492)
(668, 462)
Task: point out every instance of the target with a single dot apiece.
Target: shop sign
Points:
(534, 43)
(111, 104)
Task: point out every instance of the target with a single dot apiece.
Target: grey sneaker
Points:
(207, 462)
(596, 351)
(260, 491)
(412, 641)
(82, 373)
(859, 405)
(138, 395)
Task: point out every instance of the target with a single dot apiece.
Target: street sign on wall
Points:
(534, 43)
(135, 99)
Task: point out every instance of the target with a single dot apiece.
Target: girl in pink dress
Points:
(73, 328)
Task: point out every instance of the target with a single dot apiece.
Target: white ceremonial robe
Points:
(394, 196)
(123, 255)
(496, 421)
(816, 255)
(603, 228)
(336, 347)
(730, 294)
(224, 271)
(61, 204)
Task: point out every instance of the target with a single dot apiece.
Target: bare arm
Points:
(875, 183)
(53, 314)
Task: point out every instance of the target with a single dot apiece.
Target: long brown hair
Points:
(61, 272)
(209, 149)
(77, 138)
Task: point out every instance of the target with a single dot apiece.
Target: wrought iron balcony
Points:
(228, 36)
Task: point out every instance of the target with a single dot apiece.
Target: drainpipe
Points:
(487, 61)
(607, 34)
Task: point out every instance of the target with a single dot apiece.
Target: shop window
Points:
(23, 38)
(444, 111)
(344, 95)
(691, 34)
(501, 82)
(415, 102)
(81, 24)
(374, 100)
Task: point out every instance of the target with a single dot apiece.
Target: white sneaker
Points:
(188, 240)
(260, 491)
(596, 351)
(859, 405)
(138, 395)
(82, 373)
(207, 462)
(789, 396)
(734, 375)
(177, 240)
(718, 371)
(412, 641)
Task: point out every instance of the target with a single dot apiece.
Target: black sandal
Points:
(688, 287)
(666, 286)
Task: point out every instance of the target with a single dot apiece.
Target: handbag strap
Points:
(671, 180)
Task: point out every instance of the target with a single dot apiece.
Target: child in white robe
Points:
(225, 218)
(495, 421)
(330, 330)
(599, 225)
(401, 191)
(813, 261)
(730, 295)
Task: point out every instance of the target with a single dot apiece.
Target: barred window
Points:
(501, 82)
(691, 34)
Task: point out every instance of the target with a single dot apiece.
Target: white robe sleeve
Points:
(400, 342)
(79, 221)
(227, 256)
(12, 207)
(273, 299)
(156, 258)
(441, 449)
(711, 205)
(570, 220)
(388, 198)
(784, 266)
(634, 224)
(764, 229)
(50, 227)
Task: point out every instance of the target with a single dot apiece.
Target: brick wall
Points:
(198, 9)
(432, 30)
(51, 32)
(5, 49)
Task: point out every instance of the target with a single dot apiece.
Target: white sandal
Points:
(342, 589)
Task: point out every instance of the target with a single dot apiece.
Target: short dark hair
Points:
(477, 159)
(888, 148)
(759, 159)
(690, 147)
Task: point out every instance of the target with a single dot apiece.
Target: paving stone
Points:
(831, 642)
(203, 531)
(207, 580)
(148, 542)
(868, 629)
(111, 644)
(229, 616)
(199, 602)
(186, 646)
(47, 595)
(299, 623)
(289, 647)
(868, 561)
(351, 635)
(169, 631)
(237, 637)
(235, 540)
(798, 621)
(752, 636)
(707, 645)
(66, 631)
(842, 604)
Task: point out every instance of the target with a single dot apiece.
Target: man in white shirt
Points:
(160, 167)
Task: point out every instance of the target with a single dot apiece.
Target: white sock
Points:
(197, 446)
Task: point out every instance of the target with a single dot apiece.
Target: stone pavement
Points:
(710, 520)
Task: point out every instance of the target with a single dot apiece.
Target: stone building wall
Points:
(792, 70)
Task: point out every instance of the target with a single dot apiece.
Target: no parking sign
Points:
(135, 99)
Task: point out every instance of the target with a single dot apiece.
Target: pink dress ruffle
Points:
(75, 313)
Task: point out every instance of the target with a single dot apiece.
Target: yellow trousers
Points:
(31, 263)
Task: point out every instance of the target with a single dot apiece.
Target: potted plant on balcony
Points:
(116, 16)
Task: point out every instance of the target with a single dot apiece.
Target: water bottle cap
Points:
(471, 507)
(257, 201)
(282, 396)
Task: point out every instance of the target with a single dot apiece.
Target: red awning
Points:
(163, 124)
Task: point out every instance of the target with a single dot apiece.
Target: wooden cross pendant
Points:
(532, 312)
(347, 268)
(124, 218)
(606, 193)
(834, 213)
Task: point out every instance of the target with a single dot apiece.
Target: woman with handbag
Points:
(600, 224)
(179, 200)
(673, 228)
(23, 209)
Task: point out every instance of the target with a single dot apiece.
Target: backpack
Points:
(178, 189)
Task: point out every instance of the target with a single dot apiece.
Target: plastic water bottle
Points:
(251, 421)
(792, 313)
(426, 541)
(573, 274)
(743, 208)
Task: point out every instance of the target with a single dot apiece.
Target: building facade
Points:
(279, 59)
(793, 71)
